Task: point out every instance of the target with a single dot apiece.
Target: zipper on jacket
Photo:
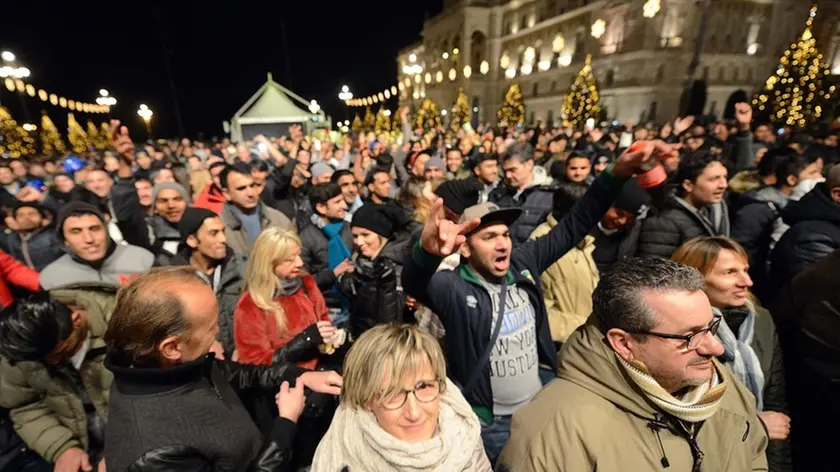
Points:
(655, 426)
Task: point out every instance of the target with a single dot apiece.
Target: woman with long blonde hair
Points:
(281, 316)
(747, 332)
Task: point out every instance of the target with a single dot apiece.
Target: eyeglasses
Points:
(424, 392)
(693, 340)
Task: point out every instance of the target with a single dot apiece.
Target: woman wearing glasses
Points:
(747, 333)
(398, 410)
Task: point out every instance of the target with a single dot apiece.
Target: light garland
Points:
(19, 86)
(382, 96)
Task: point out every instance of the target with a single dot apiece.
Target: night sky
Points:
(219, 53)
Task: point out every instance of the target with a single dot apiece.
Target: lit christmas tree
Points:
(76, 135)
(105, 135)
(581, 101)
(94, 139)
(369, 120)
(396, 122)
(796, 95)
(51, 141)
(383, 123)
(513, 108)
(15, 142)
(428, 116)
(357, 123)
(460, 111)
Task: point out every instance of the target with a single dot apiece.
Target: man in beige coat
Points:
(639, 388)
(244, 215)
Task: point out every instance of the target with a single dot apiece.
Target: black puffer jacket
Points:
(375, 289)
(315, 255)
(662, 234)
(536, 203)
(41, 247)
(814, 233)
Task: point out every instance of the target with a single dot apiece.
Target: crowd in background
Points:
(499, 297)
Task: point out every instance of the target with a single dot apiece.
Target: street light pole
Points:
(146, 114)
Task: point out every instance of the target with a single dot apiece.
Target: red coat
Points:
(210, 198)
(256, 333)
(18, 274)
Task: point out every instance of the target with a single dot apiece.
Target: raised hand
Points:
(682, 124)
(631, 160)
(743, 115)
(441, 237)
(121, 141)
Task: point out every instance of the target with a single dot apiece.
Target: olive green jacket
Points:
(45, 405)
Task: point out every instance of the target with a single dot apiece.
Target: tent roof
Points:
(272, 103)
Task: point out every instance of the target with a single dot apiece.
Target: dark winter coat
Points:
(190, 418)
(807, 314)
(37, 251)
(375, 289)
(752, 227)
(315, 255)
(536, 203)
(615, 247)
(468, 325)
(679, 222)
(164, 235)
(814, 233)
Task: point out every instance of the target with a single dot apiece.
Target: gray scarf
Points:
(739, 356)
(287, 287)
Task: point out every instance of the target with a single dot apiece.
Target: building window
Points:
(550, 118)
(654, 110)
(531, 118)
(660, 74)
(706, 73)
(536, 89)
(610, 78)
(713, 108)
(553, 85)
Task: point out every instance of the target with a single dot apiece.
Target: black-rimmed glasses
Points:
(693, 340)
(424, 392)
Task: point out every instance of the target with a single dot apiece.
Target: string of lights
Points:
(20, 86)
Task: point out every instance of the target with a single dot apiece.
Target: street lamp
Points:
(345, 94)
(7, 56)
(314, 108)
(146, 113)
(105, 99)
(9, 69)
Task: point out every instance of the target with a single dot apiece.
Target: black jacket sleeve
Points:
(742, 154)
(277, 450)
(282, 178)
(751, 228)
(775, 399)
(314, 256)
(576, 224)
(166, 458)
(302, 347)
(129, 214)
(244, 377)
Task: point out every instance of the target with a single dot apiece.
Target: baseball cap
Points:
(490, 213)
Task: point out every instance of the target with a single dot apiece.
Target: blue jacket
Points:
(465, 307)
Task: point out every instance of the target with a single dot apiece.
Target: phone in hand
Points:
(37, 184)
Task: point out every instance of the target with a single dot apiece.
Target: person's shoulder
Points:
(580, 410)
(144, 255)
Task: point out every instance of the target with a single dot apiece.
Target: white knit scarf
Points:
(697, 404)
(356, 441)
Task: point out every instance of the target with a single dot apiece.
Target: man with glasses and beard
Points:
(643, 369)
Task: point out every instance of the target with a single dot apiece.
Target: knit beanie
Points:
(632, 197)
(192, 220)
(434, 162)
(169, 185)
(458, 195)
(384, 220)
(319, 169)
(75, 207)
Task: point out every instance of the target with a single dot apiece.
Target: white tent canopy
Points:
(274, 105)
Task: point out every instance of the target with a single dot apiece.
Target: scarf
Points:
(287, 287)
(250, 221)
(739, 356)
(337, 251)
(698, 404)
(357, 443)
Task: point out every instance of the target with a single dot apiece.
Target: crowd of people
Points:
(500, 298)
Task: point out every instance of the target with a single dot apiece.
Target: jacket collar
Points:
(149, 381)
(466, 273)
(231, 221)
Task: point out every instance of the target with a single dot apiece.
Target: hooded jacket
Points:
(45, 404)
(536, 202)
(605, 423)
(662, 234)
(814, 233)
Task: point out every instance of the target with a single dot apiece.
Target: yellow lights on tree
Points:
(651, 8)
(51, 141)
(467, 71)
(512, 111)
(504, 61)
(428, 116)
(453, 74)
(599, 27)
(558, 44)
(796, 95)
(369, 120)
(484, 67)
(76, 135)
(460, 111)
(581, 103)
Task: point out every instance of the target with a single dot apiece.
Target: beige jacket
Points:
(237, 237)
(568, 285)
(593, 418)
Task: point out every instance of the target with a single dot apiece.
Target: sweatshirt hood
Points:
(815, 205)
(767, 194)
(587, 360)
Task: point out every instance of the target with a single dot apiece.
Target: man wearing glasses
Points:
(639, 387)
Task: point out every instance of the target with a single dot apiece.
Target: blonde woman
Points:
(281, 315)
(747, 332)
(400, 412)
